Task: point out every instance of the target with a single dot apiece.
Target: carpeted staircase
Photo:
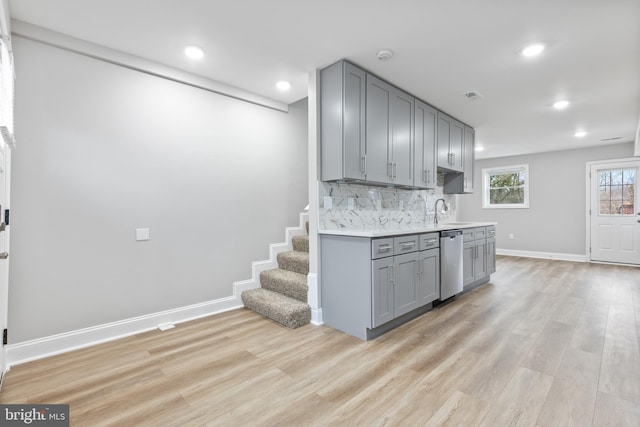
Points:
(283, 295)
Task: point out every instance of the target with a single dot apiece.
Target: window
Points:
(505, 187)
(617, 192)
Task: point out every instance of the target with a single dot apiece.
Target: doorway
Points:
(613, 224)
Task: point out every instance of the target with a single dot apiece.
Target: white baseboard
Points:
(542, 255)
(313, 299)
(61, 343)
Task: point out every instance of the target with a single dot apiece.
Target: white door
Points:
(615, 212)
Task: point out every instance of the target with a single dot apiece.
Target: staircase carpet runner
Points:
(283, 293)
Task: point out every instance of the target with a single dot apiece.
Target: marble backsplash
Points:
(363, 207)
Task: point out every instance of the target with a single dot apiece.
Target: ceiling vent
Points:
(473, 95)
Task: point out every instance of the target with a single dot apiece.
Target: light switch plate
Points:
(142, 234)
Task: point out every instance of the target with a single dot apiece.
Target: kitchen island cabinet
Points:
(372, 285)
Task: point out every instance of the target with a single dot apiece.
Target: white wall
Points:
(556, 220)
(103, 150)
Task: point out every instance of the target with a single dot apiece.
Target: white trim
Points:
(542, 255)
(588, 166)
(313, 299)
(61, 343)
(485, 186)
(112, 56)
(258, 267)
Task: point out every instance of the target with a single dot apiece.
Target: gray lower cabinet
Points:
(479, 254)
(491, 255)
(429, 273)
(367, 283)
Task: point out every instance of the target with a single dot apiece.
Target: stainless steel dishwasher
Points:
(450, 263)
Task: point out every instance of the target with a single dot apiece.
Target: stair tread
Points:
(287, 311)
(286, 282)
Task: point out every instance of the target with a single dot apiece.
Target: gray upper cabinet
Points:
(389, 125)
(425, 145)
(343, 148)
(450, 143)
(378, 130)
(469, 157)
(458, 183)
(373, 132)
(402, 118)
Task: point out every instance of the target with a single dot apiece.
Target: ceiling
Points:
(442, 49)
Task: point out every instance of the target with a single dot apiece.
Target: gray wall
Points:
(103, 150)
(555, 221)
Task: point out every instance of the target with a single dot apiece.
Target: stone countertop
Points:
(402, 231)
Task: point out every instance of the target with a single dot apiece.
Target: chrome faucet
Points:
(435, 209)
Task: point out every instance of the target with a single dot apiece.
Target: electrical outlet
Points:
(328, 202)
(510, 236)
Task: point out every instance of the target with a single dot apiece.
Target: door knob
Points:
(4, 255)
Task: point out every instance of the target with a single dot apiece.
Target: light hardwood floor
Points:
(545, 343)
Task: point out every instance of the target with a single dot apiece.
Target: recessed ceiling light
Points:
(194, 52)
(533, 50)
(282, 85)
(580, 134)
(478, 148)
(561, 105)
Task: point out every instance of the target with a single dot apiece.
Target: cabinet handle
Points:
(392, 278)
(384, 247)
(428, 176)
(453, 156)
(363, 167)
(430, 242)
(395, 169)
(408, 244)
(390, 169)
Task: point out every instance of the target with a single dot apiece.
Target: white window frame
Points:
(487, 172)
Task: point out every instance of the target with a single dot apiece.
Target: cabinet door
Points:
(402, 138)
(378, 130)
(467, 263)
(382, 292)
(491, 256)
(444, 135)
(354, 122)
(424, 130)
(429, 276)
(406, 283)
(480, 260)
(469, 156)
(456, 145)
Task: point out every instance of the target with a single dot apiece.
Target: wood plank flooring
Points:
(545, 343)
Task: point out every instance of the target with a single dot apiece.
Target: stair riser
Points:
(293, 289)
(300, 243)
(289, 317)
(291, 262)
